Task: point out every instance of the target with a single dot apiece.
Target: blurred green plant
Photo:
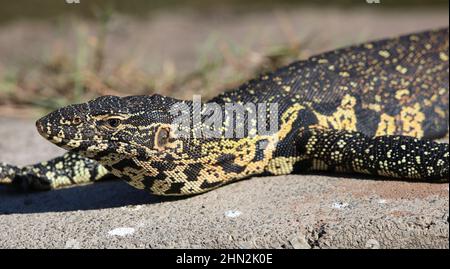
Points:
(76, 74)
(50, 9)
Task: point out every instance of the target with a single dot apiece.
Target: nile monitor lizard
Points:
(370, 108)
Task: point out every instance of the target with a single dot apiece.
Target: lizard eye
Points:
(113, 122)
(76, 120)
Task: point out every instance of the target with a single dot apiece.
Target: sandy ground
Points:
(295, 211)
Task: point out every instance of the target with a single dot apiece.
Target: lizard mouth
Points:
(63, 142)
(40, 129)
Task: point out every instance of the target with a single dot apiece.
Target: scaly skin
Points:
(370, 108)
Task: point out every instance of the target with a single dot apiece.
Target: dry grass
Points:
(66, 77)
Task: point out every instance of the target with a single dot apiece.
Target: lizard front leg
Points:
(392, 156)
(8, 172)
(65, 170)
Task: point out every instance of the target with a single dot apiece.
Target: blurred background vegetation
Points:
(53, 53)
(29, 9)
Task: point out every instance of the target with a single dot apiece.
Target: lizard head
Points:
(111, 126)
(138, 139)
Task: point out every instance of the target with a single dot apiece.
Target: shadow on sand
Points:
(100, 195)
(112, 193)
